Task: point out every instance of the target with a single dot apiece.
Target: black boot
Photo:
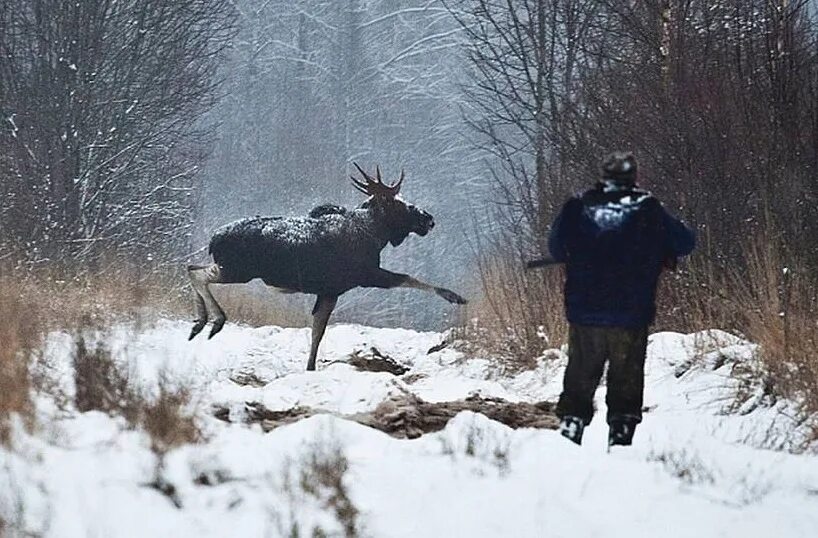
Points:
(571, 428)
(621, 432)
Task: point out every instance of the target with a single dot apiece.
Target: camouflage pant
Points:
(588, 350)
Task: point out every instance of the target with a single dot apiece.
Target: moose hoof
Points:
(198, 325)
(451, 296)
(218, 323)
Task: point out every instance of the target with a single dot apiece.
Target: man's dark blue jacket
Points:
(615, 241)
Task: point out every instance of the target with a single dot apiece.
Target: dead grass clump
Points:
(520, 313)
(19, 342)
(167, 418)
(685, 466)
(322, 476)
(112, 296)
(780, 313)
(103, 384)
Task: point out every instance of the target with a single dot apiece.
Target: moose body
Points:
(320, 255)
(326, 254)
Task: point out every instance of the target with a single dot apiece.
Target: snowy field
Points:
(712, 458)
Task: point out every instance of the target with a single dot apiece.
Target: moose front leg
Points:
(387, 279)
(324, 305)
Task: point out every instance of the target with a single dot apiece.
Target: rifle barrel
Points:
(541, 262)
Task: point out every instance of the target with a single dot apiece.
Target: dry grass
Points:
(167, 418)
(519, 314)
(322, 476)
(100, 300)
(103, 384)
(19, 342)
(258, 305)
(33, 306)
(767, 297)
(684, 465)
(123, 295)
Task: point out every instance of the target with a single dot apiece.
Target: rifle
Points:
(670, 263)
(541, 262)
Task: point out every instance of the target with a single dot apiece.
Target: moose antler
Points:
(375, 186)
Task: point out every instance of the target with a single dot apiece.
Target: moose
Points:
(327, 253)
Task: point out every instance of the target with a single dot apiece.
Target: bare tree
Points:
(100, 144)
(526, 58)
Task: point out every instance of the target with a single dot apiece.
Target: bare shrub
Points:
(19, 342)
(519, 314)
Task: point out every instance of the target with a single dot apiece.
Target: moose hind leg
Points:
(324, 306)
(202, 277)
(201, 310)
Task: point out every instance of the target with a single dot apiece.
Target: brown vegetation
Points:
(322, 476)
(257, 305)
(767, 294)
(519, 314)
(19, 341)
(103, 384)
(769, 297)
(118, 293)
(167, 418)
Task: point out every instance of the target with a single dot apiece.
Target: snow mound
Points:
(701, 464)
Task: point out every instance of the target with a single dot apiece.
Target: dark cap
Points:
(620, 166)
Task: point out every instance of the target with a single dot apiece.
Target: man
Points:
(615, 240)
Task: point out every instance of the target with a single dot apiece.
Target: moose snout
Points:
(427, 223)
(424, 222)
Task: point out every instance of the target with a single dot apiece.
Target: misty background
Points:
(310, 87)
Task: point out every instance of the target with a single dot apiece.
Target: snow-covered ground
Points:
(702, 465)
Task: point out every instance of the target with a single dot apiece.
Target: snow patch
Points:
(700, 465)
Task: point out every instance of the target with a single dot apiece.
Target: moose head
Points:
(400, 217)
